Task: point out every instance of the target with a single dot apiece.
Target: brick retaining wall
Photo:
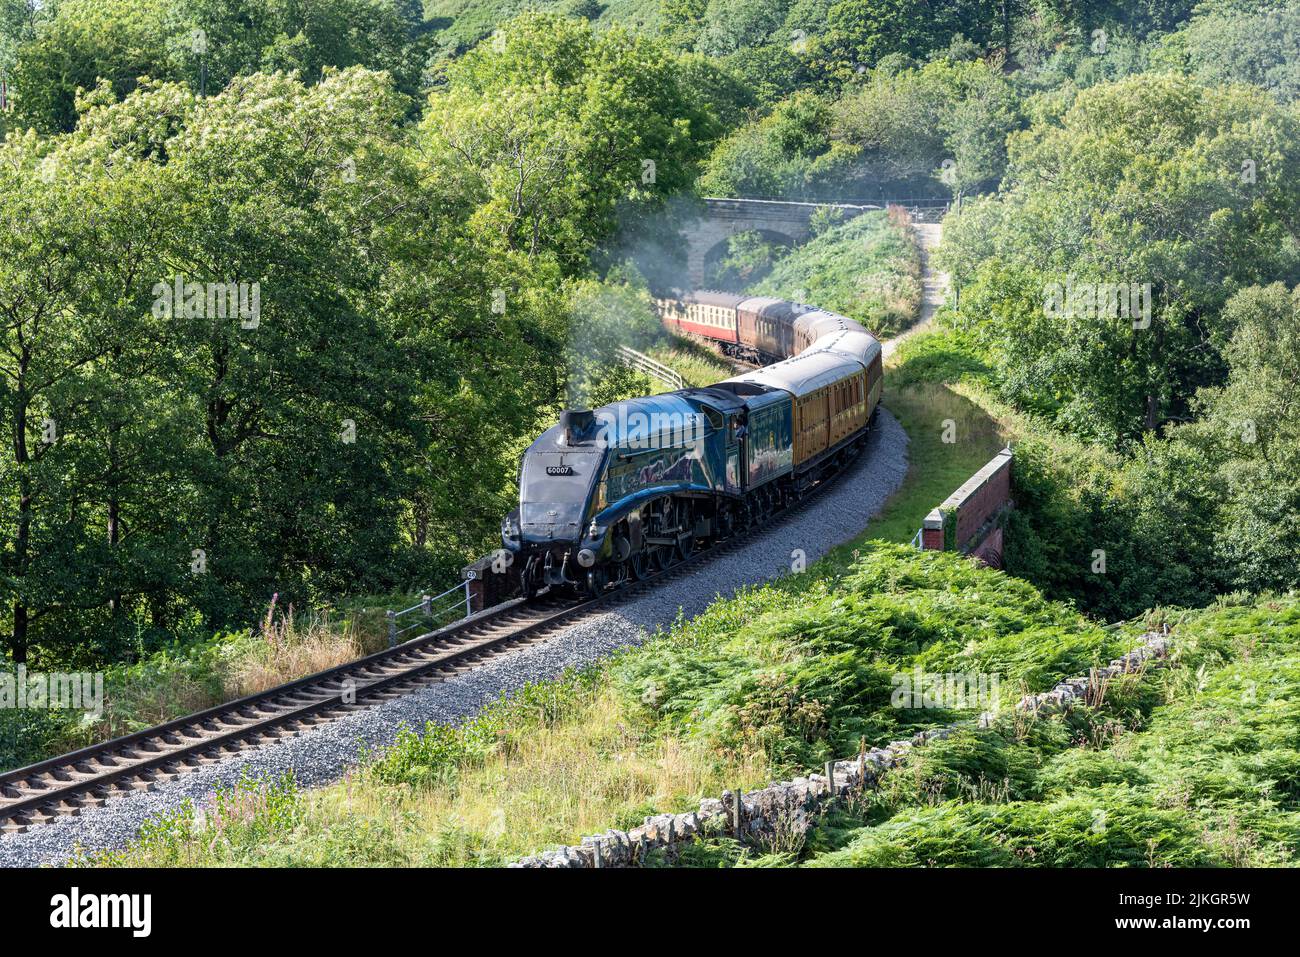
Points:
(969, 520)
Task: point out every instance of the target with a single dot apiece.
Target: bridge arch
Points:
(719, 248)
(723, 218)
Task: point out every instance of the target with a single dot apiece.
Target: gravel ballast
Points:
(321, 755)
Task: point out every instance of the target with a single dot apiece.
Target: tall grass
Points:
(183, 679)
(287, 647)
(763, 685)
(697, 363)
(868, 269)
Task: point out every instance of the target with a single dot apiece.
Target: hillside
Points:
(769, 682)
(462, 23)
(868, 268)
(1198, 770)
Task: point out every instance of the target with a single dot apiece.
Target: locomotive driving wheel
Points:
(662, 557)
(685, 545)
(638, 566)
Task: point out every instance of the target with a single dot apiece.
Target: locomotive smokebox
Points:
(576, 424)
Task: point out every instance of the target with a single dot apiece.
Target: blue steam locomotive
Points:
(621, 492)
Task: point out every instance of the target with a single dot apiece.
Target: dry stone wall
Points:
(789, 808)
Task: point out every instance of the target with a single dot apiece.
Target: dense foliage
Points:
(903, 131)
(804, 673)
(1204, 774)
(202, 43)
(866, 268)
(276, 339)
(1203, 208)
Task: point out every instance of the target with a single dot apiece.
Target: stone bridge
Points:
(723, 218)
(782, 219)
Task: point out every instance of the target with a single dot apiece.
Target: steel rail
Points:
(69, 783)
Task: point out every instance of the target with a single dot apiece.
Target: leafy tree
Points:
(1249, 426)
(682, 20)
(774, 71)
(18, 21)
(1114, 536)
(85, 41)
(1139, 16)
(562, 133)
(719, 89)
(174, 462)
(1214, 507)
(203, 42)
(586, 9)
(1242, 46)
(920, 131)
(786, 154)
(1081, 206)
(731, 25)
(859, 33)
(77, 244)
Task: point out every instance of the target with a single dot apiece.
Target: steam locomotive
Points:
(621, 492)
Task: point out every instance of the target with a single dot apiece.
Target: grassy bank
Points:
(1196, 766)
(189, 677)
(697, 364)
(762, 685)
(868, 268)
(950, 437)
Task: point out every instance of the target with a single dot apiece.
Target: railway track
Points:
(89, 778)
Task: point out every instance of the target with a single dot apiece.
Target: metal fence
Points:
(655, 370)
(432, 612)
(916, 202)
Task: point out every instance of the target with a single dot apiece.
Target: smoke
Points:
(602, 317)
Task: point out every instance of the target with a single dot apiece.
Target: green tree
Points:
(1249, 428)
(859, 33)
(731, 25)
(923, 130)
(203, 42)
(774, 71)
(789, 153)
(681, 21)
(76, 242)
(1208, 204)
(1242, 46)
(559, 134)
